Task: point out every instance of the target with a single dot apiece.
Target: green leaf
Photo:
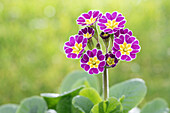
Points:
(32, 105)
(156, 106)
(77, 79)
(91, 94)
(8, 108)
(82, 103)
(112, 105)
(61, 102)
(132, 92)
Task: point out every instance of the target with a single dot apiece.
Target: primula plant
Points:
(100, 45)
(119, 43)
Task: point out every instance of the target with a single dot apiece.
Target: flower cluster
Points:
(124, 46)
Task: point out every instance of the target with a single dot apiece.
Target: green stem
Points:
(105, 81)
(105, 84)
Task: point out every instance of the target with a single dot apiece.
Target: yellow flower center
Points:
(125, 48)
(110, 61)
(87, 35)
(90, 21)
(105, 34)
(111, 24)
(77, 48)
(93, 62)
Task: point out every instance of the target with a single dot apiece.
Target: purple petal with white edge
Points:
(85, 59)
(121, 37)
(135, 46)
(95, 14)
(69, 50)
(102, 64)
(133, 56)
(85, 67)
(103, 27)
(79, 38)
(118, 41)
(123, 57)
(136, 42)
(114, 50)
(103, 20)
(74, 55)
(128, 58)
(79, 55)
(84, 30)
(130, 33)
(101, 24)
(116, 46)
(65, 47)
(100, 57)
(130, 40)
(107, 30)
(135, 51)
(81, 20)
(124, 31)
(119, 15)
(109, 16)
(72, 41)
(69, 55)
(68, 44)
(91, 71)
(99, 52)
(95, 71)
(118, 54)
(94, 52)
(118, 19)
(101, 69)
(84, 42)
(111, 32)
(121, 23)
(114, 14)
(86, 16)
(90, 53)
(90, 13)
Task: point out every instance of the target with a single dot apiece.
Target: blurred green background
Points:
(32, 34)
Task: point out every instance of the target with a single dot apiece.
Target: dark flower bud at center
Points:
(104, 35)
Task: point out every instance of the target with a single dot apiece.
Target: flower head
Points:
(93, 61)
(125, 47)
(111, 22)
(88, 19)
(111, 60)
(123, 31)
(74, 48)
(87, 32)
(104, 35)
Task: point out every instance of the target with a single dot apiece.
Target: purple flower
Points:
(104, 35)
(111, 60)
(111, 22)
(125, 47)
(88, 19)
(122, 31)
(93, 61)
(87, 32)
(75, 46)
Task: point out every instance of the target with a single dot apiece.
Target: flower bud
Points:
(104, 35)
(98, 46)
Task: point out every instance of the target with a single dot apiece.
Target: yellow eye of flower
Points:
(93, 62)
(111, 24)
(125, 48)
(87, 35)
(110, 61)
(90, 21)
(77, 48)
